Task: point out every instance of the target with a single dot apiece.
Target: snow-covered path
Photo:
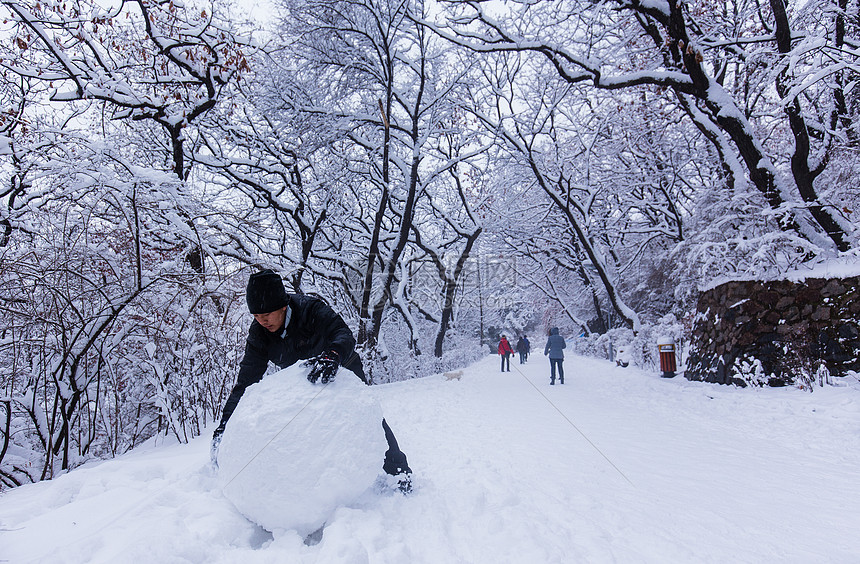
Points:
(617, 465)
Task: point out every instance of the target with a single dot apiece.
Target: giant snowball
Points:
(293, 452)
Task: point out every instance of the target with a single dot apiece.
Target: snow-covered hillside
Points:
(617, 465)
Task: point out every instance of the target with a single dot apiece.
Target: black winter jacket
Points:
(313, 328)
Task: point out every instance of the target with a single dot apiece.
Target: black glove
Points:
(323, 368)
(216, 442)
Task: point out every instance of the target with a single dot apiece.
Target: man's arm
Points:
(338, 338)
(251, 371)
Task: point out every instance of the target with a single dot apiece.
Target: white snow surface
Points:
(294, 452)
(617, 465)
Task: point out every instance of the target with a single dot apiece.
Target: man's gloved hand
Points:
(216, 442)
(323, 368)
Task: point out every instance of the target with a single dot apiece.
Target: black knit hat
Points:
(265, 292)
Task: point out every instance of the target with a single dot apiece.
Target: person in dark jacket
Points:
(522, 348)
(528, 346)
(505, 351)
(555, 350)
(288, 328)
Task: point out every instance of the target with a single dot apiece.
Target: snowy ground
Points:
(617, 465)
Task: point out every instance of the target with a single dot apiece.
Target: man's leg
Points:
(552, 371)
(395, 463)
(561, 371)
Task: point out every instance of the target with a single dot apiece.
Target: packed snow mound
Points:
(293, 451)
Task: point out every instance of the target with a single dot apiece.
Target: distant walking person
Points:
(554, 348)
(505, 351)
(522, 348)
(528, 346)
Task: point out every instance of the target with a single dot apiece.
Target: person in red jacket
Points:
(505, 351)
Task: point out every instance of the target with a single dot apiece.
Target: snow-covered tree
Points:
(377, 95)
(764, 83)
(105, 309)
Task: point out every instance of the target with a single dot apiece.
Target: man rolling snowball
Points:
(288, 328)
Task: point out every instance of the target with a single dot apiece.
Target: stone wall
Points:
(763, 333)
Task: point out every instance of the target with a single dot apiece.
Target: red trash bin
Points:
(667, 359)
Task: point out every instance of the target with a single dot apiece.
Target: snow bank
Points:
(843, 267)
(293, 452)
